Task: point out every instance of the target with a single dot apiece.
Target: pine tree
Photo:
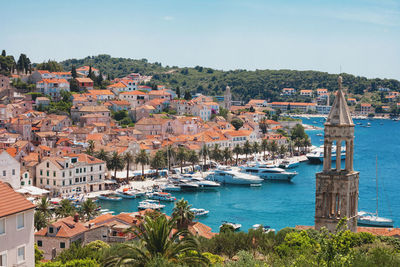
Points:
(73, 72)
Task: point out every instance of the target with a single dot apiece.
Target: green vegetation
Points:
(263, 84)
(50, 65)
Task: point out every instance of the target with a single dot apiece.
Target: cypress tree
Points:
(73, 72)
(188, 95)
(90, 71)
(178, 92)
(3, 53)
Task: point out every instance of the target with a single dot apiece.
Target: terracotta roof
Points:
(133, 93)
(100, 92)
(84, 80)
(117, 85)
(293, 104)
(12, 202)
(53, 81)
(66, 227)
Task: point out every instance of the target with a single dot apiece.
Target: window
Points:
(4, 173)
(20, 221)
(2, 226)
(51, 230)
(39, 243)
(47, 165)
(41, 181)
(77, 171)
(63, 174)
(100, 168)
(62, 245)
(26, 175)
(54, 182)
(21, 254)
(13, 171)
(63, 182)
(41, 172)
(54, 174)
(3, 259)
(48, 173)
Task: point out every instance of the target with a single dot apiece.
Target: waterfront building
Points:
(259, 103)
(336, 194)
(366, 109)
(288, 91)
(322, 91)
(308, 93)
(71, 174)
(285, 106)
(16, 228)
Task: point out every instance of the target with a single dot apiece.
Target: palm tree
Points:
(193, 158)
(306, 142)
(237, 150)
(298, 143)
(128, 159)
(264, 145)
(256, 147)
(227, 155)
(40, 220)
(182, 214)
(90, 149)
(65, 209)
(282, 150)
(102, 154)
(116, 163)
(88, 209)
(44, 207)
(157, 240)
(158, 161)
(247, 148)
(181, 156)
(143, 159)
(274, 148)
(216, 153)
(204, 153)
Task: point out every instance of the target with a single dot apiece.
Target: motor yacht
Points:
(150, 204)
(109, 197)
(317, 155)
(199, 212)
(227, 175)
(289, 164)
(266, 229)
(267, 173)
(126, 194)
(162, 196)
(171, 188)
(201, 182)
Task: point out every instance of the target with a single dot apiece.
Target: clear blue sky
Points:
(360, 36)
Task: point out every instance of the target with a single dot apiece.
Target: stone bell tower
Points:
(336, 191)
(227, 98)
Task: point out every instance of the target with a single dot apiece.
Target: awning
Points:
(32, 190)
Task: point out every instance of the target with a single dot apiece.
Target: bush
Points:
(71, 263)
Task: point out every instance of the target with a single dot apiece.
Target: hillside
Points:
(266, 84)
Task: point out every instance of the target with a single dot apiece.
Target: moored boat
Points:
(228, 175)
(289, 164)
(236, 226)
(150, 204)
(126, 194)
(109, 197)
(162, 196)
(266, 229)
(317, 155)
(199, 212)
(270, 174)
(372, 220)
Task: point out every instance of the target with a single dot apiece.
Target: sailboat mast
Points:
(376, 180)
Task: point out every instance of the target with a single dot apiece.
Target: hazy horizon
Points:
(357, 37)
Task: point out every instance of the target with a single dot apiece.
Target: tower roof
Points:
(340, 113)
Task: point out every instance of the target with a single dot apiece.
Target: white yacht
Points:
(199, 212)
(317, 155)
(267, 173)
(227, 175)
(373, 220)
(201, 182)
(289, 164)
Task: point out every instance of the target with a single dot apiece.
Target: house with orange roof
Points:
(60, 235)
(118, 88)
(205, 110)
(322, 91)
(52, 87)
(351, 100)
(10, 168)
(257, 103)
(288, 91)
(79, 111)
(39, 75)
(135, 98)
(307, 93)
(101, 95)
(85, 83)
(84, 70)
(83, 99)
(154, 126)
(278, 138)
(16, 228)
(159, 104)
(161, 94)
(182, 106)
(202, 98)
(386, 108)
(71, 174)
(143, 111)
(118, 105)
(366, 109)
(62, 75)
(240, 137)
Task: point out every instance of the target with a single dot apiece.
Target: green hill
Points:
(265, 84)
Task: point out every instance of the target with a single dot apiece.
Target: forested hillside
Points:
(265, 84)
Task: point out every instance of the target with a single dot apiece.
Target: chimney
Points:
(76, 217)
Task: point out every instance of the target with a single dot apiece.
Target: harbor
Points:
(281, 203)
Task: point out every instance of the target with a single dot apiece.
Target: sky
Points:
(361, 37)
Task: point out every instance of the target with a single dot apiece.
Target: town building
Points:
(322, 91)
(366, 109)
(227, 98)
(85, 83)
(16, 228)
(307, 93)
(288, 91)
(84, 70)
(4, 82)
(52, 87)
(287, 106)
(71, 174)
(10, 170)
(336, 193)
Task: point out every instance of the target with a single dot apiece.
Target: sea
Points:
(287, 204)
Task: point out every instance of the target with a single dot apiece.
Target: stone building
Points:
(336, 193)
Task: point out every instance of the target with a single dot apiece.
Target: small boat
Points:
(199, 212)
(289, 164)
(236, 226)
(187, 185)
(126, 194)
(109, 197)
(266, 229)
(171, 188)
(319, 134)
(162, 196)
(315, 122)
(150, 204)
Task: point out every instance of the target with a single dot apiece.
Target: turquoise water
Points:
(289, 204)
